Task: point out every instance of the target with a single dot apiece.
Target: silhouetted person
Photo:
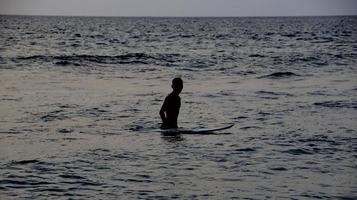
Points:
(171, 107)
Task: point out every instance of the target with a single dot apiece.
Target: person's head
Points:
(177, 85)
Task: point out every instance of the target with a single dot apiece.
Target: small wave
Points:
(71, 176)
(278, 169)
(264, 113)
(245, 150)
(319, 93)
(135, 128)
(54, 115)
(226, 93)
(65, 130)
(180, 36)
(256, 56)
(96, 112)
(250, 127)
(289, 35)
(319, 139)
(263, 92)
(277, 75)
(129, 58)
(10, 131)
(337, 104)
(12, 183)
(24, 162)
(68, 106)
(346, 197)
(241, 117)
(312, 60)
(59, 190)
(318, 40)
(138, 180)
(298, 151)
(66, 63)
(188, 69)
(11, 99)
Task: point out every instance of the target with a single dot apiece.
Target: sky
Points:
(179, 7)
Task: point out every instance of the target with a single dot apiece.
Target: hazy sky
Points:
(179, 7)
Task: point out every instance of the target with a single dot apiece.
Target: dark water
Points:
(78, 96)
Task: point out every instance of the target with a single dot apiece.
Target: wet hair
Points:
(177, 81)
(177, 85)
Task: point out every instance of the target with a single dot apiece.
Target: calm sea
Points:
(80, 100)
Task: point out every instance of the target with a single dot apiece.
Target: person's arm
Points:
(162, 115)
(162, 112)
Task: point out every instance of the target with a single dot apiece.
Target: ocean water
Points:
(80, 97)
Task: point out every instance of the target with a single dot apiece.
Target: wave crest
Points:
(129, 58)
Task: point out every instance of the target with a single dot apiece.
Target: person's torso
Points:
(173, 107)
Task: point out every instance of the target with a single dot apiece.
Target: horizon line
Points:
(203, 16)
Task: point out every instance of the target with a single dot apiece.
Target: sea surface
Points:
(80, 100)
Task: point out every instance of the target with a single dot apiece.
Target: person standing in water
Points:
(171, 106)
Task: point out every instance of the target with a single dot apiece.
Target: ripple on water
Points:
(278, 75)
(299, 151)
(54, 115)
(25, 162)
(271, 93)
(22, 183)
(346, 197)
(338, 104)
(248, 149)
(278, 168)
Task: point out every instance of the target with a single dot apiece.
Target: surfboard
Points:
(194, 130)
